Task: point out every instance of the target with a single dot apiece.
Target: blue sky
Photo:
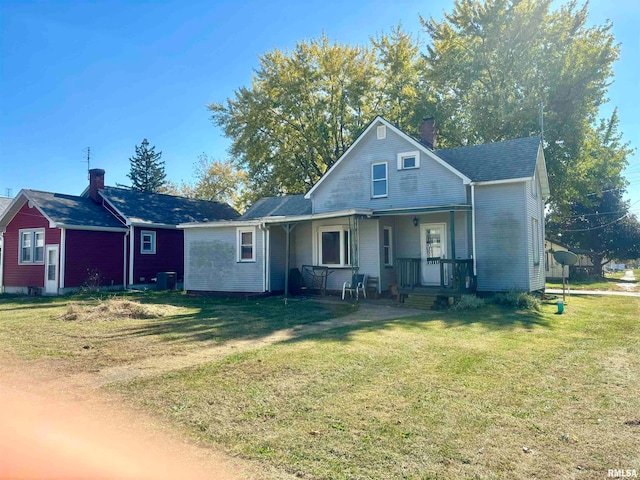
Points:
(106, 74)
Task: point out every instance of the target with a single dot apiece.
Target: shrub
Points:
(468, 302)
(514, 298)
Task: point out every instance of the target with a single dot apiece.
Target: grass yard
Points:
(489, 393)
(610, 282)
(33, 328)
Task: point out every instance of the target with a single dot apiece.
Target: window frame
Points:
(403, 155)
(535, 239)
(152, 235)
(387, 249)
(385, 180)
(32, 234)
(239, 244)
(381, 132)
(345, 253)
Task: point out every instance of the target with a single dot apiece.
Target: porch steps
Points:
(424, 302)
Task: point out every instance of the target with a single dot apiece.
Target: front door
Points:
(433, 241)
(51, 270)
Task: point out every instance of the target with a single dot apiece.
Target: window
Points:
(408, 160)
(148, 242)
(379, 179)
(535, 238)
(381, 132)
(334, 246)
(32, 246)
(246, 250)
(387, 240)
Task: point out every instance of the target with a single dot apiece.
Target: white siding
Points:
(502, 237)
(349, 185)
(211, 262)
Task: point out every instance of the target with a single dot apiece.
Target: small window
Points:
(387, 239)
(334, 246)
(31, 246)
(535, 239)
(382, 132)
(408, 160)
(534, 186)
(379, 180)
(246, 244)
(148, 242)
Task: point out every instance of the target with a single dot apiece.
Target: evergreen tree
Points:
(147, 170)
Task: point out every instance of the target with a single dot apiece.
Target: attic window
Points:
(408, 160)
(382, 132)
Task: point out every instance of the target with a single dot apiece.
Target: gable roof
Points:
(161, 209)
(416, 144)
(289, 205)
(63, 210)
(4, 204)
(510, 159)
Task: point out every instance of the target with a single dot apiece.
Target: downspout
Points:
(268, 259)
(473, 230)
(131, 252)
(287, 249)
(2, 263)
(63, 254)
(124, 260)
(264, 257)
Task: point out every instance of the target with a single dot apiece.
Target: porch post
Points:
(452, 231)
(286, 263)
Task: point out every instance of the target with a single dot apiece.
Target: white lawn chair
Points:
(357, 284)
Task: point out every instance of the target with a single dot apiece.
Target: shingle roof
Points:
(142, 207)
(73, 210)
(289, 205)
(4, 204)
(495, 161)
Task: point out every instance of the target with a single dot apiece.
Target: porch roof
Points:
(416, 210)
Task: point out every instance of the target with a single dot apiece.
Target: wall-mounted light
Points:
(415, 221)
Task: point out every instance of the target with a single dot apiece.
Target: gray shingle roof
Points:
(142, 207)
(73, 210)
(495, 161)
(4, 204)
(289, 205)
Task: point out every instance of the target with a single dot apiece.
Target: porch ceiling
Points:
(415, 210)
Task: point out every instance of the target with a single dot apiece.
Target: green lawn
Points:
(611, 282)
(491, 393)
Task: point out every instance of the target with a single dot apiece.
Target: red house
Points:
(108, 237)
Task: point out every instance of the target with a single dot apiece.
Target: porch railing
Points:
(460, 274)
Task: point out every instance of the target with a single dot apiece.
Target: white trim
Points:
(2, 262)
(91, 228)
(115, 209)
(48, 248)
(239, 232)
(132, 240)
(33, 246)
(403, 155)
(124, 260)
(154, 225)
(543, 175)
(341, 229)
(266, 247)
(152, 234)
(508, 180)
(444, 248)
(390, 229)
(415, 143)
(473, 228)
(381, 132)
(385, 180)
(222, 223)
(63, 254)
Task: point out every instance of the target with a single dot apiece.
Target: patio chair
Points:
(357, 283)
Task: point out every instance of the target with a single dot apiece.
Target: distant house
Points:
(395, 209)
(107, 237)
(553, 270)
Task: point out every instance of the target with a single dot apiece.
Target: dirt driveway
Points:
(57, 426)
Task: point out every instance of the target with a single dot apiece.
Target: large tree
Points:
(494, 64)
(147, 169)
(305, 107)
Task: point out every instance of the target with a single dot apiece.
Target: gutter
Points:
(88, 227)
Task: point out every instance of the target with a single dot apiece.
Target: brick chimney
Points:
(428, 133)
(96, 182)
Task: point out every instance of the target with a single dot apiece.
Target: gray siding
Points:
(211, 262)
(388, 273)
(301, 245)
(277, 257)
(501, 237)
(349, 185)
(408, 236)
(369, 247)
(535, 209)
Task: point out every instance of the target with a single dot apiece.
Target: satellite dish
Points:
(564, 257)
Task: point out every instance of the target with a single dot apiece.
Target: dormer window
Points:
(408, 160)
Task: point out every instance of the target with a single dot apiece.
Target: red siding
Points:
(16, 275)
(91, 251)
(169, 256)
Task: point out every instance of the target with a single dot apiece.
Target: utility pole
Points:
(88, 162)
